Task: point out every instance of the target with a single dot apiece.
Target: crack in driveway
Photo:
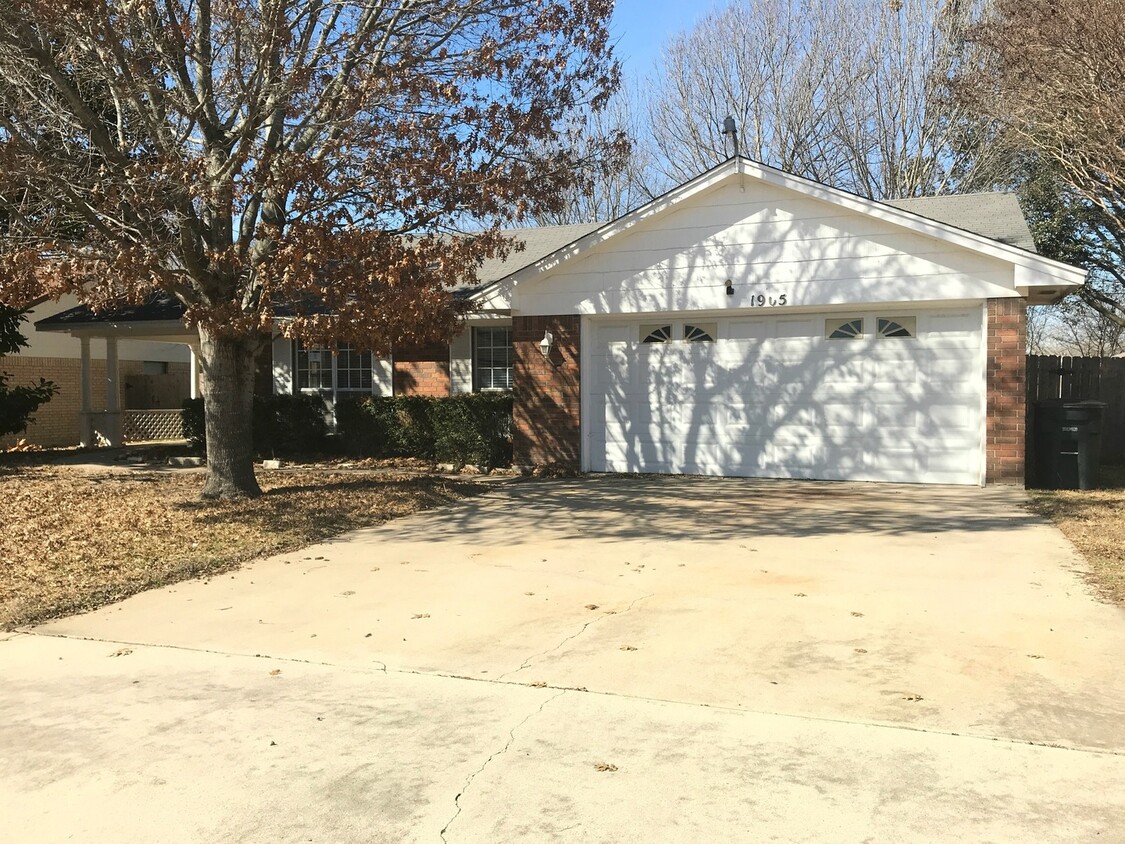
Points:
(472, 776)
(527, 662)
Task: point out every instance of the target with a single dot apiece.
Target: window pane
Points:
(492, 358)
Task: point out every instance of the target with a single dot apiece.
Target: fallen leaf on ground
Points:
(275, 672)
(75, 539)
(605, 766)
(591, 606)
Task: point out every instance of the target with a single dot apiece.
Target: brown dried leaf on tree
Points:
(340, 164)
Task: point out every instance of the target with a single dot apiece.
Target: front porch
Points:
(119, 403)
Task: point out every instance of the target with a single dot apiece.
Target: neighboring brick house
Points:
(151, 376)
(751, 323)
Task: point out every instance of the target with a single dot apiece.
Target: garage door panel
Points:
(756, 329)
(773, 397)
(641, 457)
(798, 328)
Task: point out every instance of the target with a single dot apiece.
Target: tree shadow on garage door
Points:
(760, 389)
(812, 396)
(610, 508)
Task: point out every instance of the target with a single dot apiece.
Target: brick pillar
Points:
(546, 417)
(1007, 389)
(421, 370)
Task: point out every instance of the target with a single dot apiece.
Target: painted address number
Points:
(764, 300)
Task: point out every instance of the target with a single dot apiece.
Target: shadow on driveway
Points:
(675, 508)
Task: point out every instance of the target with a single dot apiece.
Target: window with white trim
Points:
(903, 326)
(656, 334)
(318, 370)
(702, 332)
(848, 328)
(492, 359)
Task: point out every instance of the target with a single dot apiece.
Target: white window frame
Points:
(478, 370)
(335, 391)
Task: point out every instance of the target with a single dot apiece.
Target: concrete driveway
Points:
(668, 659)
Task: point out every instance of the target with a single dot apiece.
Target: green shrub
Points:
(282, 425)
(470, 428)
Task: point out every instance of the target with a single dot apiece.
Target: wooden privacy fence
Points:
(1079, 379)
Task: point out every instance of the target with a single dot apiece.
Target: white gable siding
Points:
(770, 242)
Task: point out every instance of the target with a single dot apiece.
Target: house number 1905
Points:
(762, 300)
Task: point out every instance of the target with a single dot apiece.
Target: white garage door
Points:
(846, 396)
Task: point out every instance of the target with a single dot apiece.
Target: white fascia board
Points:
(164, 329)
(488, 315)
(1030, 280)
(1056, 273)
(915, 222)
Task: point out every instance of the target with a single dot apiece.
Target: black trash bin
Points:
(1068, 444)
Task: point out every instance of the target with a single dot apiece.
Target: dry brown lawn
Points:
(1095, 522)
(73, 539)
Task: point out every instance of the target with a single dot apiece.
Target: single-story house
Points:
(750, 323)
(152, 376)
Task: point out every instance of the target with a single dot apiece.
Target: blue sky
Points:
(644, 25)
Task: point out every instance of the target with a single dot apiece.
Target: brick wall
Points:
(57, 422)
(1006, 388)
(422, 371)
(546, 419)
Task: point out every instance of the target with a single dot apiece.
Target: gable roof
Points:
(539, 242)
(922, 216)
(995, 215)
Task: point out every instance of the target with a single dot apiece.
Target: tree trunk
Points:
(227, 364)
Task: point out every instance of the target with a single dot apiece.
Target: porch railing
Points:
(142, 425)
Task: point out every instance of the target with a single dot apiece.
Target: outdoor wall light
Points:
(546, 343)
(730, 287)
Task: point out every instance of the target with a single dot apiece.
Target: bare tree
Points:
(1039, 330)
(772, 65)
(1052, 72)
(851, 97)
(611, 186)
(316, 155)
(1081, 330)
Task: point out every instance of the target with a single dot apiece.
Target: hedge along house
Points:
(748, 322)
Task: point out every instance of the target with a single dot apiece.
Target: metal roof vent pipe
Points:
(730, 129)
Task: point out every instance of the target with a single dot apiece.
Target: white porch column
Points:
(85, 403)
(194, 393)
(112, 395)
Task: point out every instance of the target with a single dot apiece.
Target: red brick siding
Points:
(1006, 387)
(57, 422)
(546, 419)
(422, 371)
